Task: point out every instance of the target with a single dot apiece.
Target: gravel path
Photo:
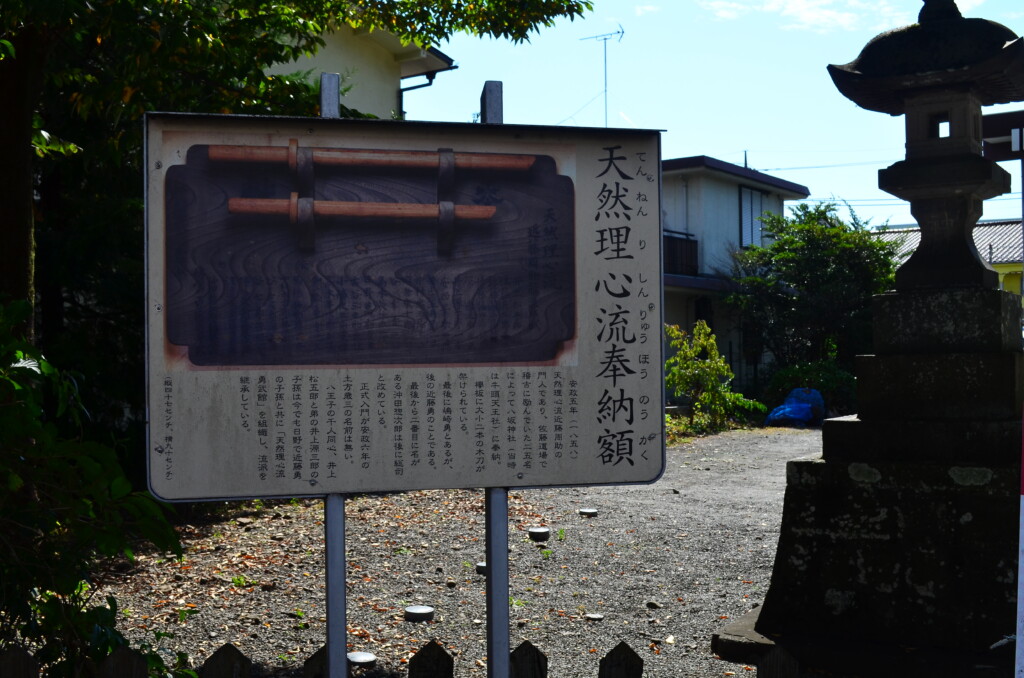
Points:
(665, 564)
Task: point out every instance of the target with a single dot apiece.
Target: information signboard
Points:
(340, 306)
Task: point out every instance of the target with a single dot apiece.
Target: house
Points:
(710, 209)
(373, 65)
(999, 243)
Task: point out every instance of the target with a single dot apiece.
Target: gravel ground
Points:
(666, 565)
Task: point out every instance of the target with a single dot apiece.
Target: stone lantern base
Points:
(898, 549)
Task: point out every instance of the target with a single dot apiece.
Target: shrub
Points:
(837, 386)
(64, 502)
(698, 373)
(676, 430)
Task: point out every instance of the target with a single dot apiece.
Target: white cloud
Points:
(822, 16)
(883, 16)
(647, 9)
(968, 5)
(814, 15)
(725, 9)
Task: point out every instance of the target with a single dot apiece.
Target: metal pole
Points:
(334, 504)
(606, 82)
(337, 624)
(496, 550)
(605, 38)
(496, 498)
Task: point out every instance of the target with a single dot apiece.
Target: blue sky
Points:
(724, 78)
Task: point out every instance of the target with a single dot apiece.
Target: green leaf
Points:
(120, 487)
(14, 481)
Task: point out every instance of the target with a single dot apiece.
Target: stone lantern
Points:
(898, 548)
(939, 72)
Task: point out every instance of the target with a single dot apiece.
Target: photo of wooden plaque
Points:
(294, 255)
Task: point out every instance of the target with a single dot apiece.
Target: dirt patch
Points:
(665, 565)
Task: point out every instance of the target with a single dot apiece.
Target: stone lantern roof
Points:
(942, 51)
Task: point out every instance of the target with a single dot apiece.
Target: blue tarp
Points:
(802, 407)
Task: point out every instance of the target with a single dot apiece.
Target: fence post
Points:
(227, 662)
(528, 662)
(432, 661)
(16, 662)
(123, 663)
(621, 662)
(316, 665)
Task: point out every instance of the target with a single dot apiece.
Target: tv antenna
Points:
(605, 37)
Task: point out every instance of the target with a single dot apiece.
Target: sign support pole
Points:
(1019, 640)
(334, 504)
(496, 498)
(337, 624)
(496, 589)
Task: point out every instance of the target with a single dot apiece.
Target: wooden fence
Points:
(431, 661)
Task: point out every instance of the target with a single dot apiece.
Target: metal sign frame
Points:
(589, 413)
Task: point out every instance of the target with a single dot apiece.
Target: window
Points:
(673, 205)
(751, 208)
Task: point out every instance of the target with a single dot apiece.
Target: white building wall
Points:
(721, 219)
(695, 216)
(674, 205)
(776, 205)
(372, 71)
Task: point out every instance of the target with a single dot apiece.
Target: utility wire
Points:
(809, 167)
(573, 115)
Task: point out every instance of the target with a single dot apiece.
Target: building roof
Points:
(788, 189)
(998, 242)
(413, 59)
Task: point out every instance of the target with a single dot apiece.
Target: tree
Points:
(78, 75)
(68, 62)
(806, 296)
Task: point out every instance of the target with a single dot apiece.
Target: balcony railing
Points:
(680, 254)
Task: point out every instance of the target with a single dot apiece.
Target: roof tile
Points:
(998, 242)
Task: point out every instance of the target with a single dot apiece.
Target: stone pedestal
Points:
(898, 550)
(918, 559)
(898, 547)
